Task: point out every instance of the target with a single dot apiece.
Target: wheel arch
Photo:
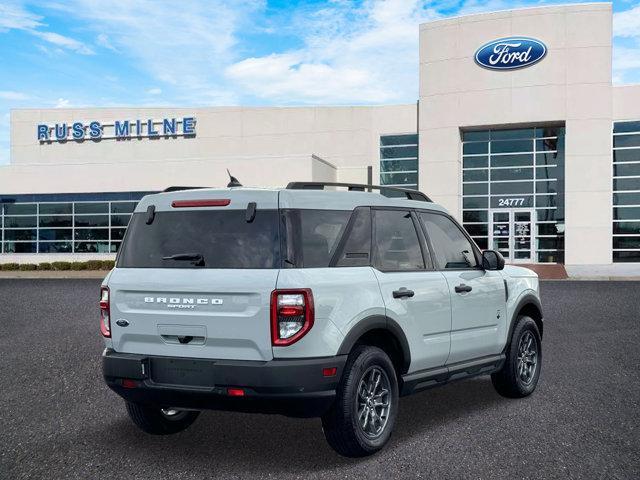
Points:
(530, 306)
(382, 332)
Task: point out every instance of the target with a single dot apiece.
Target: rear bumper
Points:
(290, 387)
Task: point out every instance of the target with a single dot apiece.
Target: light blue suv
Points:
(309, 301)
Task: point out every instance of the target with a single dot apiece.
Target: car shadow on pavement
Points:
(251, 443)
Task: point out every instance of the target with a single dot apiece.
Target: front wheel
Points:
(160, 421)
(363, 415)
(521, 371)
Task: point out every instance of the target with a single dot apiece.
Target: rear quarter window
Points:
(313, 236)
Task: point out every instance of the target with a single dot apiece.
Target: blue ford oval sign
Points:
(510, 53)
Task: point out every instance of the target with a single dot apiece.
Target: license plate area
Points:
(178, 371)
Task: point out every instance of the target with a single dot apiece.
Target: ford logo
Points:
(510, 53)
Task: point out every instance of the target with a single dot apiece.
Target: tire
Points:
(157, 421)
(366, 366)
(521, 371)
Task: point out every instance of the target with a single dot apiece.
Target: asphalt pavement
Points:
(58, 420)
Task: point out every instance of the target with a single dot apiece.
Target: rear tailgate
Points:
(216, 307)
(225, 312)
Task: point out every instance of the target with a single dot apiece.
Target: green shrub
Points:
(107, 264)
(61, 265)
(79, 266)
(10, 266)
(93, 264)
(27, 267)
(45, 266)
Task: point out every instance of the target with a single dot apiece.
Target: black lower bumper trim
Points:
(290, 387)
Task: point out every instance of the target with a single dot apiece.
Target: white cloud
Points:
(154, 91)
(11, 95)
(103, 41)
(626, 54)
(186, 46)
(64, 42)
(627, 23)
(351, 54)
(62, 103)
(13, 16)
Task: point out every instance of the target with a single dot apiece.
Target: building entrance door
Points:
(511, 233)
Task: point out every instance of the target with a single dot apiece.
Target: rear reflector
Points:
(235, 392)
(129, 383)
(329, 372)
(221, 202)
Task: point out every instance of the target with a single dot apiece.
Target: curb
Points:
(53, 274)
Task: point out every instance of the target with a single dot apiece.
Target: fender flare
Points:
(527, 299)
(377, 322)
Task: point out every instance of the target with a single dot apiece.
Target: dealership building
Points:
(518, 131)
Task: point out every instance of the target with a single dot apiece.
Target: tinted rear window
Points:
(224, 238)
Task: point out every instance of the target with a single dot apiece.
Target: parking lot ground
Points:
(58, 419)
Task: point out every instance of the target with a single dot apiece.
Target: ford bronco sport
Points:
(308, 301)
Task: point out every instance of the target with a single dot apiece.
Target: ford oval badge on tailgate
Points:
(510, 53)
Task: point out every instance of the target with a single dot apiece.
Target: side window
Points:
(451, 247)
(356, 250)
(396, 241)
(314, 235)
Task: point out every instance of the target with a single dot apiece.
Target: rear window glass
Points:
(313, 236)
(224, 239)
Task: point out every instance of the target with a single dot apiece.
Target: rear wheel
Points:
(521, 371)
(362, 418)
(160, 421)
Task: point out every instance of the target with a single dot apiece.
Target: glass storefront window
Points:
(55, 234)
(516, 170)
(91, 234)
(18, 222)
(20, 209)
(399, 160)
(475, 162)
(120, 220)
(55, 247)
(30, 234)
(626, 192)
(56, 221)
(56, 208)
(91, 220)
(92, 247)
(52, 227)
(475, 175)
(123, 207)
(117, 233)
(91, 207)
(20, 247)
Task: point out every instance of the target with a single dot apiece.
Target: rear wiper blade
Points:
(196, 258)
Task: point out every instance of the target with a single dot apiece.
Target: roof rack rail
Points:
(177, 189)
(360, 187)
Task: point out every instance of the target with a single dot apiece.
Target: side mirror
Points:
(492, 260)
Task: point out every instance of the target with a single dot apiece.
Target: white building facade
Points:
(517, 130)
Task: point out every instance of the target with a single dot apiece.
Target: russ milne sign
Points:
(120, 129)
(510, 53)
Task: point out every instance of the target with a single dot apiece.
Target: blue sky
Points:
(73, 53)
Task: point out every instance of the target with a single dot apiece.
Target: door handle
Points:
(403, 292)
(462, 288)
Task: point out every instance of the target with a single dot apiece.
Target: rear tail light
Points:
(291, 315)
(105, 317)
